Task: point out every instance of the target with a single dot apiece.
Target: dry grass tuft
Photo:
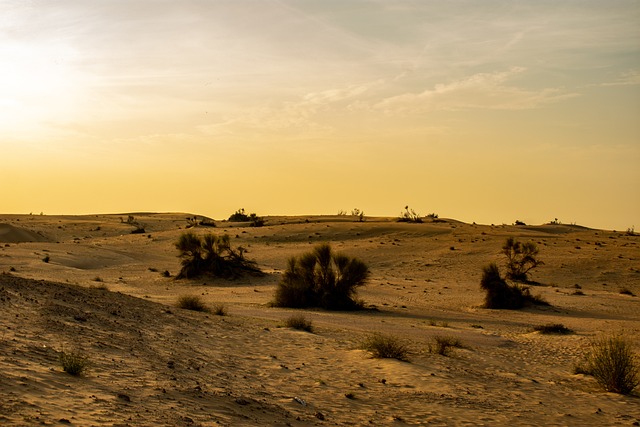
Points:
(386, 347)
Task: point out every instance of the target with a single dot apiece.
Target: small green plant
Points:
(521, 258)
(409, 215)
(612, 362)
(444, 345)
(73, 363)
(321, 278)
(552, 328)
(299, 322)
(386, 347)
(192, 302)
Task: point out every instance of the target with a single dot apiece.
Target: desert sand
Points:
(85, 283)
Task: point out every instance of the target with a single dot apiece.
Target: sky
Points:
(483, 111)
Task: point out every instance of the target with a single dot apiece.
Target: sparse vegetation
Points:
(211, 254)
(321, 278)
(501, 295)
(192, 302)
(73, 363)
(612, 362)
(521, 258)
(299, 322)
(552, 328)
(386, 347)
(219, 310)
(444, 345)
(241, 216)
(409, 215)
(358, 214)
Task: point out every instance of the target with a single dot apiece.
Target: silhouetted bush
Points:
(321, 279)
(212, 255)
(612, 362)
(501, 295)
(239, 216)
(521, 258)
(409, 215)
(386, 347)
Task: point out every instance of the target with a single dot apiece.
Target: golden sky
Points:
(486, 111)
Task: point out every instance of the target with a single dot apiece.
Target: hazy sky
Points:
(486, 111)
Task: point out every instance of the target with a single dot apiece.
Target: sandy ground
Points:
(101, 291)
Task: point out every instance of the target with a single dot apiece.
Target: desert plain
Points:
(87, 284)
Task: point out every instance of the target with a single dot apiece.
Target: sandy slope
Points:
(154, 364)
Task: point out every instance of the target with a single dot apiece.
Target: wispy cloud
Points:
(478, 91)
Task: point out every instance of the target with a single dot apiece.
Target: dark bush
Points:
(409, 215)
(321, 279)
(552, 328)
(521, 258)
(501, 295)
(212, 255)
(239, 216)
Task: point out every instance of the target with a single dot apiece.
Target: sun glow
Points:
(38, 85)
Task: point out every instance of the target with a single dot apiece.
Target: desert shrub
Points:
(192, 302)
(409, 215)
(321, 278)
(552, 328)
(358, 213)
(385, 347)
(521, 258)
(239, 216)
(219, 310)
(444, 345)
(612, 362)
(502, 295)
(299, 322)
(211, 254)
(73, 363)
(256, 221)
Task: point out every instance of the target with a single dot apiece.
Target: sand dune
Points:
(102, 292)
